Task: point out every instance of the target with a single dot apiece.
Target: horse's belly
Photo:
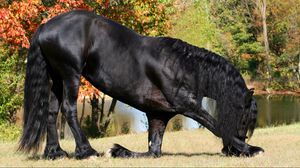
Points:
(139, 93)
(155, 100)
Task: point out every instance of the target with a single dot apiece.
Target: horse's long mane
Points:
(217, 79)
(199, 60)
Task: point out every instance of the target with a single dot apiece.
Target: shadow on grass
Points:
(192, 154)
(70, 156)
(35, 157)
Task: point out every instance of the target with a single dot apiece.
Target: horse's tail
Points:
(36, 98)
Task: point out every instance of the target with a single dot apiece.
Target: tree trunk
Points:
(299, 71)
(104, 124)
(262, 4)
(95, 110)
(112, 107)
(102, 110)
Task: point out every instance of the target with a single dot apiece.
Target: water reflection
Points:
(139, 121)
(277, 109)
(273, 110)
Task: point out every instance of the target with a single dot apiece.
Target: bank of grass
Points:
(181, 149)
(9, 132)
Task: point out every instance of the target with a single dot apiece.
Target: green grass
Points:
(181, 149)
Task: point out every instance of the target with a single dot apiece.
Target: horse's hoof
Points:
(85, 152)
(119, 151)
(254, 150)
(230, 151)
(54, 152)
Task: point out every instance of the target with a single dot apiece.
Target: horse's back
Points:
(67, 40)
(112, 57)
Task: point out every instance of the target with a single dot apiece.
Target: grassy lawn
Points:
(181, 149)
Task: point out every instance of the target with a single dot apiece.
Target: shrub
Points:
(11, 87)
(9, 132)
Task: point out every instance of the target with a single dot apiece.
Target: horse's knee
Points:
(53, 108)
(52, 114)
(71, 116)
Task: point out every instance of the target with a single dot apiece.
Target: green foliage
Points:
(49, 2)
(177, 124)
(284, 68)
(233, 28)
(125, 128)
(234, 19)
(194, 26)
(145, 17)
(11, 79)
(284, 35)
(9, 132)
(90, 128)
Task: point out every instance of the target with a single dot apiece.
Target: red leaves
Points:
(65, 6)
(107, 2)
(87, 89)
(19, 20)
(11, 30)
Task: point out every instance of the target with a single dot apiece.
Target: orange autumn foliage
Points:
(20, 19)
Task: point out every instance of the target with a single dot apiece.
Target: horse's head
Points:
(245, 125)
(247, 121)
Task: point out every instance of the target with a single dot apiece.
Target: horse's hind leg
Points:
(157, 125)
(69, 108)
(53, 149)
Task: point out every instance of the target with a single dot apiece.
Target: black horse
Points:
(159, 75)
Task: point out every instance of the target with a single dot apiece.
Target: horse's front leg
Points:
(235, 147)
(69, 108)
(239, 147)
(204, 118)
(157, 125)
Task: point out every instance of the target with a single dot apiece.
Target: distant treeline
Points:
(260, 37)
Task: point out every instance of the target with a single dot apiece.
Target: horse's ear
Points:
(249, 95)
(251, 91)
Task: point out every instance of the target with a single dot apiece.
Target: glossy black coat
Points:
(158, 75)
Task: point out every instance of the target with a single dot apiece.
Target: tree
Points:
(284, 41)
(262, 5)
(261, 38)
(235, 20)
